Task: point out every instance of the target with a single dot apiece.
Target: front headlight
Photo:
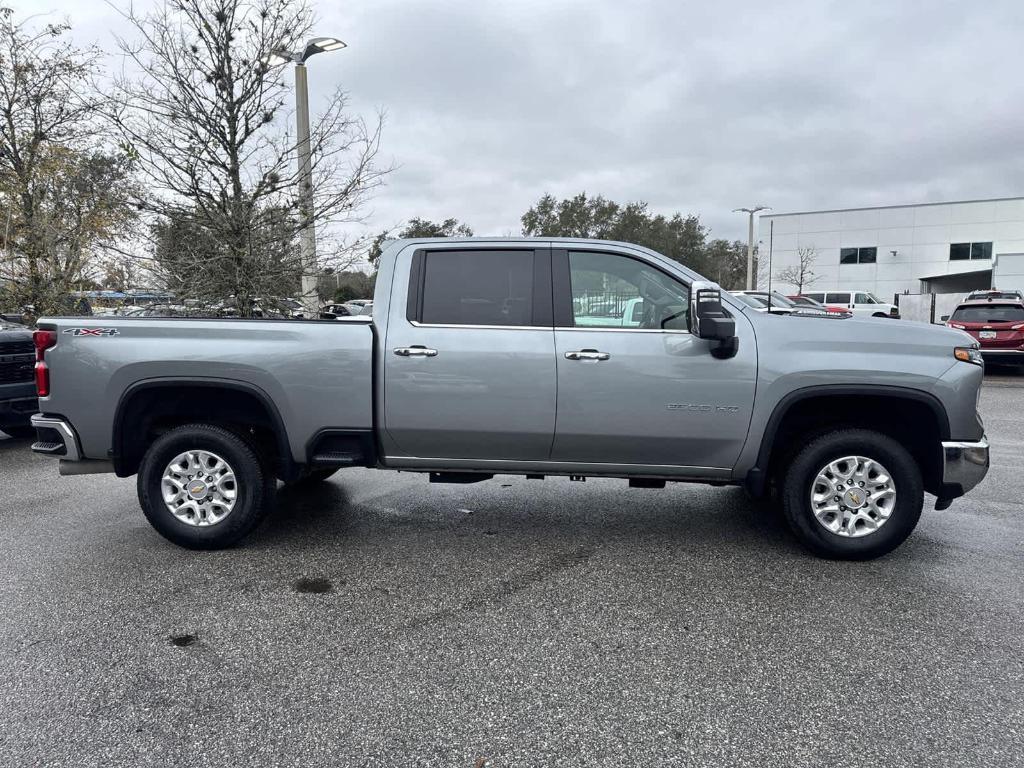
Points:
(969, 355)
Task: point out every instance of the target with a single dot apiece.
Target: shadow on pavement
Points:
(323, 516)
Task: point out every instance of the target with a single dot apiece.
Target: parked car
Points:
(994, 294)
(776, 303)
(362, 309)
(808, 302)
(474, 346)
(17, 380)
(860, 303)
(998, 325)
(336, 310)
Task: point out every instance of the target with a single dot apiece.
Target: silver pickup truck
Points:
(520, 356)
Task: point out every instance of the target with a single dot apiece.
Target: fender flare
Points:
(280, 431)
(757, 476)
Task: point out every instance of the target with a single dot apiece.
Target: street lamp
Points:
(750, 241)
(307, 236)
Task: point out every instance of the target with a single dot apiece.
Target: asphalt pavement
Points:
(383, 621)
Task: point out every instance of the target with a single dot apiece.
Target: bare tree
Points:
(66, 196)
(206, 116)
(801, 274)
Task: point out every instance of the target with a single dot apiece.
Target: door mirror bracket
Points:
(709, 320)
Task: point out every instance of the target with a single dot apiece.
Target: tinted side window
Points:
(478, 287)
(837, 298)
(815, 296)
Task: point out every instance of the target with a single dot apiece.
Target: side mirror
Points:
(944, 318)
(709, 320)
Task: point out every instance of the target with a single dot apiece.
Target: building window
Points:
(858, 255)
(965, 251)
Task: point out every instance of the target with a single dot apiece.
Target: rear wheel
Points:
(203, 487)
(19, 431)
(853, 494)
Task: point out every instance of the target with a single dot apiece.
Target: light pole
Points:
(750, 241)
(307, 235)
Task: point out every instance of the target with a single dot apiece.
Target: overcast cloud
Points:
(692, 106)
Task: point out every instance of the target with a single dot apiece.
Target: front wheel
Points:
(853, 494)
(203, 487)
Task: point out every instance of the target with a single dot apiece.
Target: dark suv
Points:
(17, 379)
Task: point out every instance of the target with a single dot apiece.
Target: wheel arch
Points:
(795, 414)
(149, 405)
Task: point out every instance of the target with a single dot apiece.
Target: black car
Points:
(17, 380)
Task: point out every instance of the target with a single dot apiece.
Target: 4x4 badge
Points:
(92, 331)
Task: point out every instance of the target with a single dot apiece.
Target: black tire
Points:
(254, 487)
(20, 431)
(803, 470)
(313, 476)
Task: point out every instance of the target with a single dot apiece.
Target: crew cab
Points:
(485, 356)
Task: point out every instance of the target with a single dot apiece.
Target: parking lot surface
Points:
(381, 620)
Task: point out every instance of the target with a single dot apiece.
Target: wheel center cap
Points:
(855, 498)
(197, 490)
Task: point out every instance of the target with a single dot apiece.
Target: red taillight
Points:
(43, 340)
(42, 380)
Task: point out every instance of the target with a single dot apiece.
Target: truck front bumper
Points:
(964, 465)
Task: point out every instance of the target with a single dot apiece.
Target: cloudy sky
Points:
(693, 106)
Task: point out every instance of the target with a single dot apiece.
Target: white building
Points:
(925, 248)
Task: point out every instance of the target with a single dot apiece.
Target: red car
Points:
(806, 301)
(998, 325)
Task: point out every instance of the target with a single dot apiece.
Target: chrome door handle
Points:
(416, 350)
(587, 354)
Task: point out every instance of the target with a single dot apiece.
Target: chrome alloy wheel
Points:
(199, 488)
(853, 496)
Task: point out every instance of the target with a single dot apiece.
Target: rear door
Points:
(469, 356)
(644, 392)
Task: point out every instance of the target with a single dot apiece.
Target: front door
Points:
(469, 357)
(634, 386)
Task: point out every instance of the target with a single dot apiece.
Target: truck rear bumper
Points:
(964, 465)
(55, 437)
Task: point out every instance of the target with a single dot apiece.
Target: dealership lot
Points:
(380, 620)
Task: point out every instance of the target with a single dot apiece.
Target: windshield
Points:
(989, 313)
(754, 301)
(803, 301)
(778, 300)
